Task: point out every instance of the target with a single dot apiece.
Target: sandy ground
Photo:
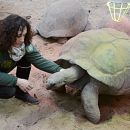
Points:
(57, 111)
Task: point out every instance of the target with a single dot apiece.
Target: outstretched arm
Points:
(35, 58)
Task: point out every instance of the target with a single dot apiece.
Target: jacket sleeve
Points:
(35, 58)
(7, 80)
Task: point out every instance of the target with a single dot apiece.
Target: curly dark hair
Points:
(9, 28)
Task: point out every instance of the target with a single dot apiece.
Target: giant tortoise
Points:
(63, 18)
(123, 25)
(100, 61)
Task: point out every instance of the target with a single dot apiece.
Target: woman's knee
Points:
(11, 93)
(7, 92)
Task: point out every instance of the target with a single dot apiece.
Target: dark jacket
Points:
(33, 56)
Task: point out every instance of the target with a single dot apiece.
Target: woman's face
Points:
(20, 37)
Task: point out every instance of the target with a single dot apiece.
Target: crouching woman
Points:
(16, 50)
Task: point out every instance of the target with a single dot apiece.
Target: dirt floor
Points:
(57, 111)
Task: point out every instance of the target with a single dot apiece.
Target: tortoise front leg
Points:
(89, 98)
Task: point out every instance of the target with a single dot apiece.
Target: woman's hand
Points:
(24, 85)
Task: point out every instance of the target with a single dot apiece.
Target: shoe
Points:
(27, 98)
